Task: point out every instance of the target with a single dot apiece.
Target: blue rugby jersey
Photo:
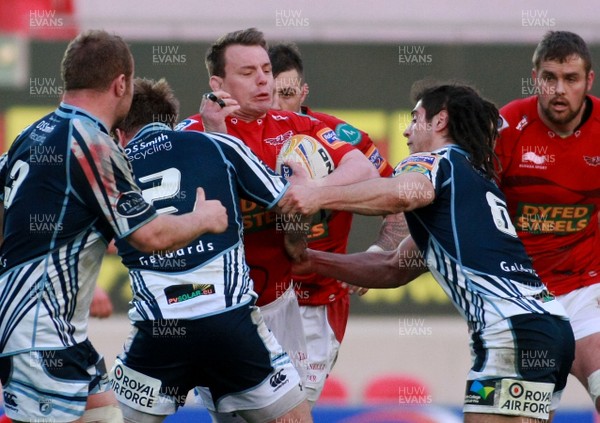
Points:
(469, 243)
(68, 190)
(209, 275)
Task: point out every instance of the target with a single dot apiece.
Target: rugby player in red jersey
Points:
(550, 159)
(240, 105)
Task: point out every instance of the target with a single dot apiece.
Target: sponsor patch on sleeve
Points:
(375, 158)
(424, 164)
(348, 133)
(131, 204)
(328, 135)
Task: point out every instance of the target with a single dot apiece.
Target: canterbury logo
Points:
(277, 379)
(10, 399)
(592, 161)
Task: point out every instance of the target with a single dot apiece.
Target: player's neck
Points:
(92, 102)
(441, 140)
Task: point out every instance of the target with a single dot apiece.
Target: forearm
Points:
(362, 269)
(167, 233)
(372, 197)
(366, 269)
(377, 196)
(179, 231)
(354, 167)
(393, 230)
(385, 269)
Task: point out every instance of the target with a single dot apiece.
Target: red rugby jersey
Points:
(552, 186)
(331, 233)
(270, 267)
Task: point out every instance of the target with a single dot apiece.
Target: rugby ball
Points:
(306, 151)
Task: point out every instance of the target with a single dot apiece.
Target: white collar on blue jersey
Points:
(453, 147)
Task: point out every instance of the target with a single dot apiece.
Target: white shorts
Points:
(322, 347)
(583, 308)
(53, 385)
(284, 319)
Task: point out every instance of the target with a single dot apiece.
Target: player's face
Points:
(562, 88)
(290, 91)
(248, 79)
(419, 132)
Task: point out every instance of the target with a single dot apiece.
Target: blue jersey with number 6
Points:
(470, 244)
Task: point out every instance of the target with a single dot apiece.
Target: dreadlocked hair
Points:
(472, 121)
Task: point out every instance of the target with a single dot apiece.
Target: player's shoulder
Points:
(595, 106)
(513, 112)
(90, 133)
(156, 133)
(192, 123)
(424, 163)
(517, 104)
(327, 119)
(516, 116)
(222, 140)
(343, 130)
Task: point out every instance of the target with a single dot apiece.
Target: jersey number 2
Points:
(17, 175)
(166, 184)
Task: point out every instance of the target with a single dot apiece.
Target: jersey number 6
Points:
(500, 214)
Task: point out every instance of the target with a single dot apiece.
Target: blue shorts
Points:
(233, 354)
(52, 385)
(520, 366)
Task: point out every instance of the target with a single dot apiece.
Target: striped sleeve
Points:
(108, 179)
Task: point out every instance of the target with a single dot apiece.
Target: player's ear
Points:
(215, 82)
(590, 80)
(119, 85)
(441, 120)
(533, 74)
(303, 92)
(121, 137)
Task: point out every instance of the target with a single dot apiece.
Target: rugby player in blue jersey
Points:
(521, 340)
(193, 311)
(67, 190)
